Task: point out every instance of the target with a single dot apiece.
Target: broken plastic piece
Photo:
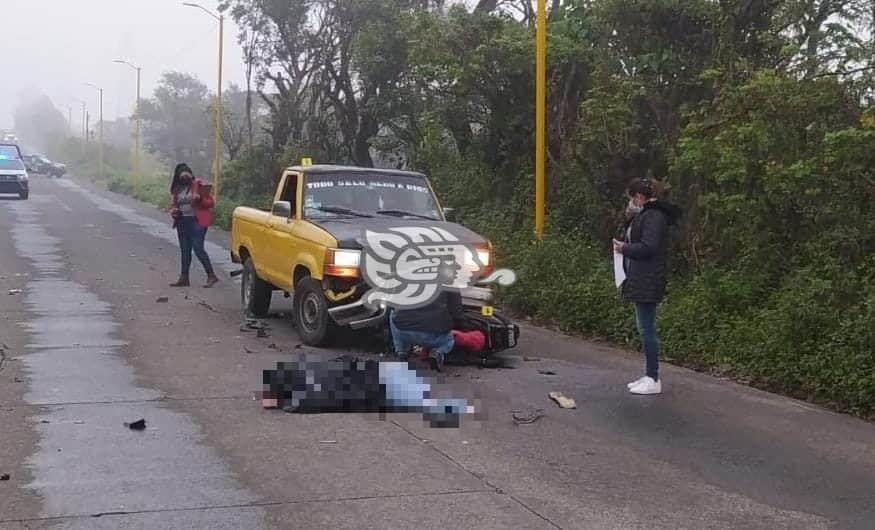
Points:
(563, 401)
(530, 417)
(138, 425)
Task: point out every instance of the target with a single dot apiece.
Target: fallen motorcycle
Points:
(497, 333)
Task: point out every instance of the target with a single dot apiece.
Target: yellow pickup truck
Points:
(309, 244)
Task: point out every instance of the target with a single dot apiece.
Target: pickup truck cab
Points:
(308, 245)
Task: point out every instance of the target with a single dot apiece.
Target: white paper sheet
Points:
(619, 272)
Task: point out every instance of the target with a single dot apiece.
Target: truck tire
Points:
(311, 316)
(255, 293)
(23, 195)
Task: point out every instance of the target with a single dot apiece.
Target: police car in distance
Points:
(13, 177)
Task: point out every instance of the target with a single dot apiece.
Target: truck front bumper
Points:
(8, 185)
(357, 315)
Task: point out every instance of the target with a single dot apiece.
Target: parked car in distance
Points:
(41, 165)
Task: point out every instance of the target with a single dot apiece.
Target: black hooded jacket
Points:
(441, 316)
(647, 251)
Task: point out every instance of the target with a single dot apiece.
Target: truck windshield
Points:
(384, 195)
(8, 152)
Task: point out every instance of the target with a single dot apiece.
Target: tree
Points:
(176, 120)
(39, 123)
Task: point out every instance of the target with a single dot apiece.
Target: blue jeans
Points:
(406, 390)
(439, 344)
(191, 237)
(645, 317)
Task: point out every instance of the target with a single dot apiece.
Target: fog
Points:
(55, 47)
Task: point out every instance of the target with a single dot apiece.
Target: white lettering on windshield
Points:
(365, 184)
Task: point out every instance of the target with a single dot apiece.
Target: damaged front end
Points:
(347, 307)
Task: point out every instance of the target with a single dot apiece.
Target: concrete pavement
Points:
(86, 348)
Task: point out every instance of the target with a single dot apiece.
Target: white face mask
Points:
(633, 208)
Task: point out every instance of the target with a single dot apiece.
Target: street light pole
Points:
(137, 137)
(217, 154)
(82, 130)
(70, 119)
(540, 116)
(100, 117)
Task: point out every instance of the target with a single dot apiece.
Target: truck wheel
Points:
(23, 195)
(255, 292)
(311, 316)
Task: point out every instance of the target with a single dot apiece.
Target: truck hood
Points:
(350, 233)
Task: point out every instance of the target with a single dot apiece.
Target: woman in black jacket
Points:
(646, 250)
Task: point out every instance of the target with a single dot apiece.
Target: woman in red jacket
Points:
(192, 214)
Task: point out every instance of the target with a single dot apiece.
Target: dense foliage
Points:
(756, 114)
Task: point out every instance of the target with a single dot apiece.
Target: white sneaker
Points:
(636, 382)
(647, 387)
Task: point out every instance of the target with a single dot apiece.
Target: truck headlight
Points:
(484, 255)
(343, 262)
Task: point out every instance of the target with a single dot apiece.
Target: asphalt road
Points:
(86, 347)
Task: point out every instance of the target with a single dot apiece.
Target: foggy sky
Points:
(56, 46)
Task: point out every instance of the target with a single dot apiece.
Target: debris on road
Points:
(247, 350)
(563, 401)
(546, 372)
(215, 341)
(206, 305)
(4, 476)
(531, 359)
(523, 418)
(15, 291)
(272, 346)
(262, 334)
(328, 441)
(138, 425)
(162, 300)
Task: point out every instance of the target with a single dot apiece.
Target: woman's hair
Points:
(177, 173)
(645, 187)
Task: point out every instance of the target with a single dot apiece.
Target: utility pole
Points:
(84, 128)
(540, 116)
(217, 155)
(137, 116)
(100, 127)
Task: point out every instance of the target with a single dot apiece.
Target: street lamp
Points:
(84, 125)
(100, 145)
(217, 160)
(69, 119)
(540, 115)
(137, 114)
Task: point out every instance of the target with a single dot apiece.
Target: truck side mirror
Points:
(448, 213)
(282, 209)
